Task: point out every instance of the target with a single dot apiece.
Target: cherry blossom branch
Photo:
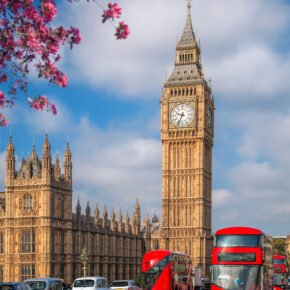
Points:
(26, 38)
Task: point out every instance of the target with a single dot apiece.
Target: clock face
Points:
(209, 118)
(182, 115)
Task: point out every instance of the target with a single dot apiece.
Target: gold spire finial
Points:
(188, 4)
(10, 137)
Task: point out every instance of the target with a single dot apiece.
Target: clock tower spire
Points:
(187, 139)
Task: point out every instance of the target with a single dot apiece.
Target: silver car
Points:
(45, 284)
(125, 285)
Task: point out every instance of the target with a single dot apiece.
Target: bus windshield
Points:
(229, 241)
(231, 277)
(279, 261)
(151, 276)
(279, 279)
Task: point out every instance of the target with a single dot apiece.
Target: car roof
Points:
(43, 279)
(10, 283)
(85, 278)
(122, 280)
(129, 281)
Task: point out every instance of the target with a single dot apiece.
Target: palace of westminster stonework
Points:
(40, 236)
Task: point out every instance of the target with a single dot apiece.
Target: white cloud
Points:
(40, 121)
(253, 74)
(238, 40)
(265, 134)
(117, 165)
(221, 197)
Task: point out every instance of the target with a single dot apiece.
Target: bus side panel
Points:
(163, 282)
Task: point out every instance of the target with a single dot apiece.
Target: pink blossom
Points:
(76, 37)
(52, 106)
(114, 11)
(4, 122)
(39, 103)
(2, 99)
(122, 30)
(49, 11)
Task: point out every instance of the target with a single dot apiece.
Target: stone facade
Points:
(41, 237)
(187, 130)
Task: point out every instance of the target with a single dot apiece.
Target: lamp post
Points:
(84, 260)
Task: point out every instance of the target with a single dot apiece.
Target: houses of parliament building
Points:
(41, 236)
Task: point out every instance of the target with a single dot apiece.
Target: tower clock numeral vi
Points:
(187, 130)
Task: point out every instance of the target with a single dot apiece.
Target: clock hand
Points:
(181, 116)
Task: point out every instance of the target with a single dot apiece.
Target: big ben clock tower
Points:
(187, 129)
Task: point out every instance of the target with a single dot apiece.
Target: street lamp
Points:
(84, 260)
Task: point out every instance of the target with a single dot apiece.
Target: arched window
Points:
(27, 271)
(175, 92)
(191, 91)
(27, 203)
(155, 245)
(28, 241)
(183, 92)
(171, 92)
(187, 92)
(179, 92)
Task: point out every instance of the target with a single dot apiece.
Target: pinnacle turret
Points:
(46, 145)
(120, 221)
(113, 220)
(67, 164)
(127, 223)
(33, 154)
(88, 211)
(78, 209)
(56, 168)
(97, 213)
(105, 217)
(10, 147)
(10, 162)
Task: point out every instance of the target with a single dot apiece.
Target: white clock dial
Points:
(182, 115)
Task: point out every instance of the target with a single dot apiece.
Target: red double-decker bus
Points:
(166, 270)
(280, 280)
(242, 258)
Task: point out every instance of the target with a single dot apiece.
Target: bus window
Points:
(224, 241)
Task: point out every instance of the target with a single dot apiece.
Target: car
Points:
(46, 284)
(14, 286)
(125, 284)
(90, 283)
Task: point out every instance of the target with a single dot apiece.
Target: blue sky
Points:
(110, 109)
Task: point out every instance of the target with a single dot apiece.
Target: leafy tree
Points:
(139, 280)
(279, 246)
(27, 38)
